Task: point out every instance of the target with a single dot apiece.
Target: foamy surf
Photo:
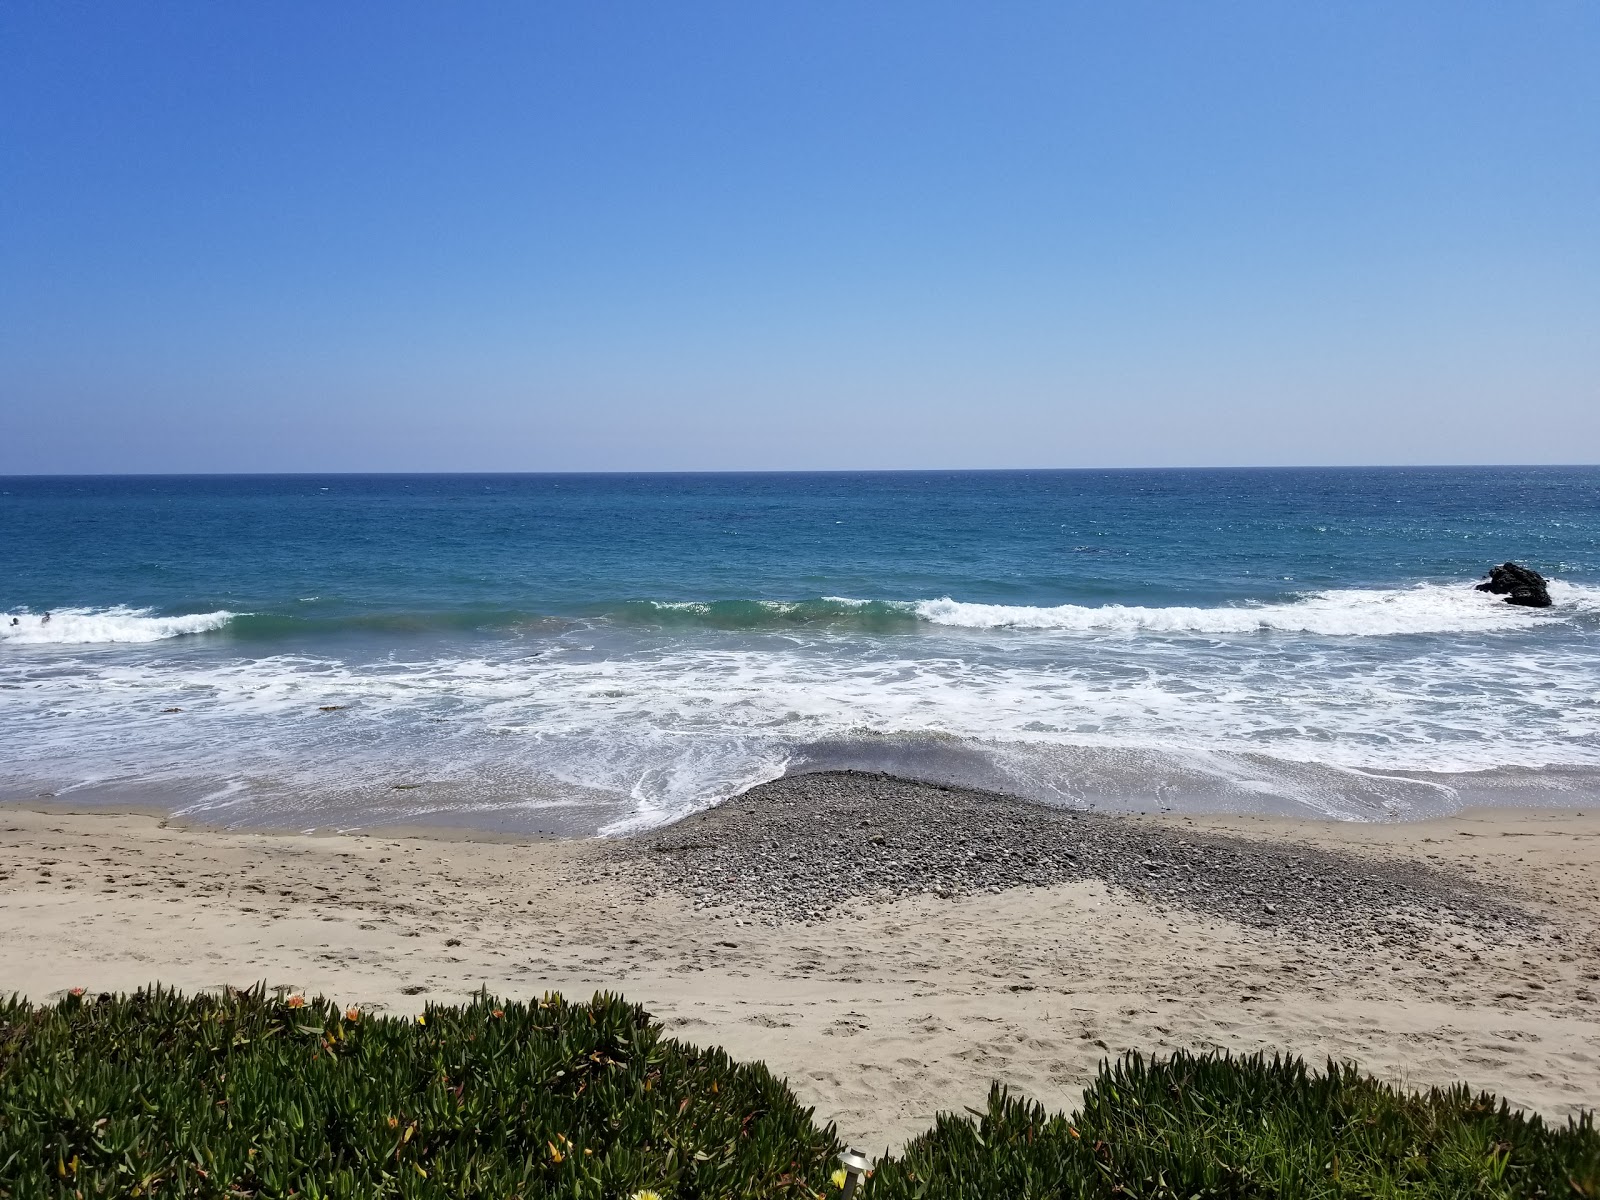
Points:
(1350, 612)
(1422, 608)
(88, 626)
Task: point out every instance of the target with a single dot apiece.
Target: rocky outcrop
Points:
(1519, 585)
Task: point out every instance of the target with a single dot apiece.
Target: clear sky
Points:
(537, 236)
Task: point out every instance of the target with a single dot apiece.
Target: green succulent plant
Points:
(158, 1094)
(1194, 1127)
(255, 1095)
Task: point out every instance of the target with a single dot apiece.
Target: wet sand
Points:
(881, 1008)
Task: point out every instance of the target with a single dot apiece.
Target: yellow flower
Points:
(555, 1155)
(352, 1014)
(297, 1001)
(645, 1194)
(839, 1178)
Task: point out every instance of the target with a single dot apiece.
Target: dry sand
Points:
(881, 1014)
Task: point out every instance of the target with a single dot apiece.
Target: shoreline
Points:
(882, 1009)
(453, 825)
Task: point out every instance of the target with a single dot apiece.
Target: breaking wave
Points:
(87, 626)
(1350, 612)
(1347, 612)
(1424, 608)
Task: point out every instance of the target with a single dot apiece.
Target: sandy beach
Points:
(1473, 952)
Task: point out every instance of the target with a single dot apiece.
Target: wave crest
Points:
(1423, 608)
(868, 615)
(1349, 612)
(87, 626)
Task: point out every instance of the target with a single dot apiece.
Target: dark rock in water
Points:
(1519, 585)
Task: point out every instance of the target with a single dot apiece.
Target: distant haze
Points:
(285, 237)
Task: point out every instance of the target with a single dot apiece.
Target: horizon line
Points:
(1484, 466)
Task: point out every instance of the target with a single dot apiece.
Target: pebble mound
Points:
(799, 847)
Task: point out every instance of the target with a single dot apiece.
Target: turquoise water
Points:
(564, 651)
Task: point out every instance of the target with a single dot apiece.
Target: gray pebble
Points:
(794, 848)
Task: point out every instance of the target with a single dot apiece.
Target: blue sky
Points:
(403, 236)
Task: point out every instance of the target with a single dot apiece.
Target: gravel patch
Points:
(799, 847)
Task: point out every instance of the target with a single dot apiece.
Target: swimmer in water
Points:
(45, 620)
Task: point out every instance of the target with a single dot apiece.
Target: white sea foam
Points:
(1574, 596)
(1311, 714)
(1350, 612)
(86, 626)
(666, 731)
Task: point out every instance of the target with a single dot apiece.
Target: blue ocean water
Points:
(609, 651)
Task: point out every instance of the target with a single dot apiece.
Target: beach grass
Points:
(255, 1094)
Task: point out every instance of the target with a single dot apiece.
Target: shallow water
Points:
(610, 651)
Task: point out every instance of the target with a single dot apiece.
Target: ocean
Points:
(603, 653)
